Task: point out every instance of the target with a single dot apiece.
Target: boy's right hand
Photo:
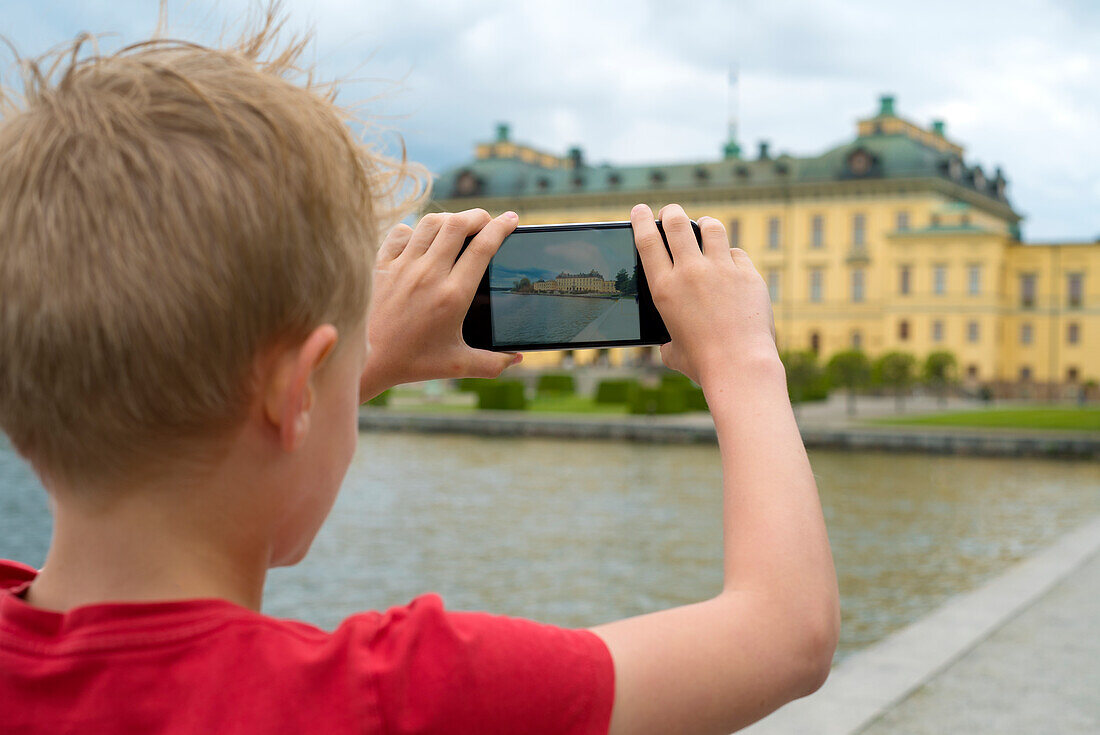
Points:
(714, 302)
(421, 292)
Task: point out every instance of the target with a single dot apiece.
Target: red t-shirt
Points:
(210, 666)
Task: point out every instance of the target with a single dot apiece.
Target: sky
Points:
(540, 257)
(645, 81)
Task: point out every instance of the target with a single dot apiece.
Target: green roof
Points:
(893, 156)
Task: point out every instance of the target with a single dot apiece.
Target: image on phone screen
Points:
(565, 287)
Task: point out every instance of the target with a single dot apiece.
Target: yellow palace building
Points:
(891, 241)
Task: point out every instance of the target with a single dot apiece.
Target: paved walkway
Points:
(1039, 673)
(619, 321)
(1021, 654)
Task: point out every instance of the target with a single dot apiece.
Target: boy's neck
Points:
(156, 544)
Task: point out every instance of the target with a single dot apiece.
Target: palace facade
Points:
(890, 241)
(579, 283)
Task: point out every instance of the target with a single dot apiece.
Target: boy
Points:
(185, 273)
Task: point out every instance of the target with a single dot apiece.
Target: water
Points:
(579, 533)
(542, 318)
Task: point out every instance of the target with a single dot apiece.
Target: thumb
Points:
(668, 355)
(486, 364)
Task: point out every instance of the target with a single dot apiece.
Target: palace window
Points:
(815, 342)
(903, 330)
(817, 231)
(937, 331)
(1073, 333)
(972, 332)
(902, 221)
(773, 233)
(1025, 373)
(939, 279)
(974, 279)
(972, 371)
(904, 284)
(857, 285)
(1072, 375)
(735, 233)
(1027, 290)
(857, 340)
(1025, 333)
(817, 284)
(1075, 290)
(859, 230)
(773, 285)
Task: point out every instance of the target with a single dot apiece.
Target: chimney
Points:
(938, 127)
(502, 132)
(763, 155)
(886, 105)
(576, 157)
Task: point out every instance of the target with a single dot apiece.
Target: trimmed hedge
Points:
(692, 394)
(382, 399)
(663, 399)
(818, 390)
(674, 379)
(694, 400)
(556, 383)
(505, 395)
(471, 385)
(621, 390)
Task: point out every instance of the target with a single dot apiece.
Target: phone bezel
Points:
(477, 326)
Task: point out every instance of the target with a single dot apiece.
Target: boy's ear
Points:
(288, 395)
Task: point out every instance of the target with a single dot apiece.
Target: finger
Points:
(679, 234)
(455, 232)
(651, 248)
(471, 265)
(741, 258)
(394, 243)
(485, 364)
(715, 243)
(426, 230)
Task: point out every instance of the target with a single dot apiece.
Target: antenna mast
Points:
(732, 148)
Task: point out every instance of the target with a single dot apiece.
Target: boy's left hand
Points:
(420, 296)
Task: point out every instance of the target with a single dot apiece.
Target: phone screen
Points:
(570, 286)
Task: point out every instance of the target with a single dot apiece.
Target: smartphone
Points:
(565, 287)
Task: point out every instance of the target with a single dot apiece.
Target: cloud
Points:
(643, 81)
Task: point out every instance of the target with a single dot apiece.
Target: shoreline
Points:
(698, 428)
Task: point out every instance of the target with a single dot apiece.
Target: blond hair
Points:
(166, 212)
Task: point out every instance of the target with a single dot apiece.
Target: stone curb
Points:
(672, 430)
(870, 682)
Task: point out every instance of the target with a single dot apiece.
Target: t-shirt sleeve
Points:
(456, 672)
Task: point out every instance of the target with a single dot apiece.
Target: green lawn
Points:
(573, 404)
(1039, 417)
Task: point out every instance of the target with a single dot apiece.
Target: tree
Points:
(851, 370)
(621, 279)
(626, 283)
(895, 370)
(805, 380)
(939, 372)
(523, 285)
